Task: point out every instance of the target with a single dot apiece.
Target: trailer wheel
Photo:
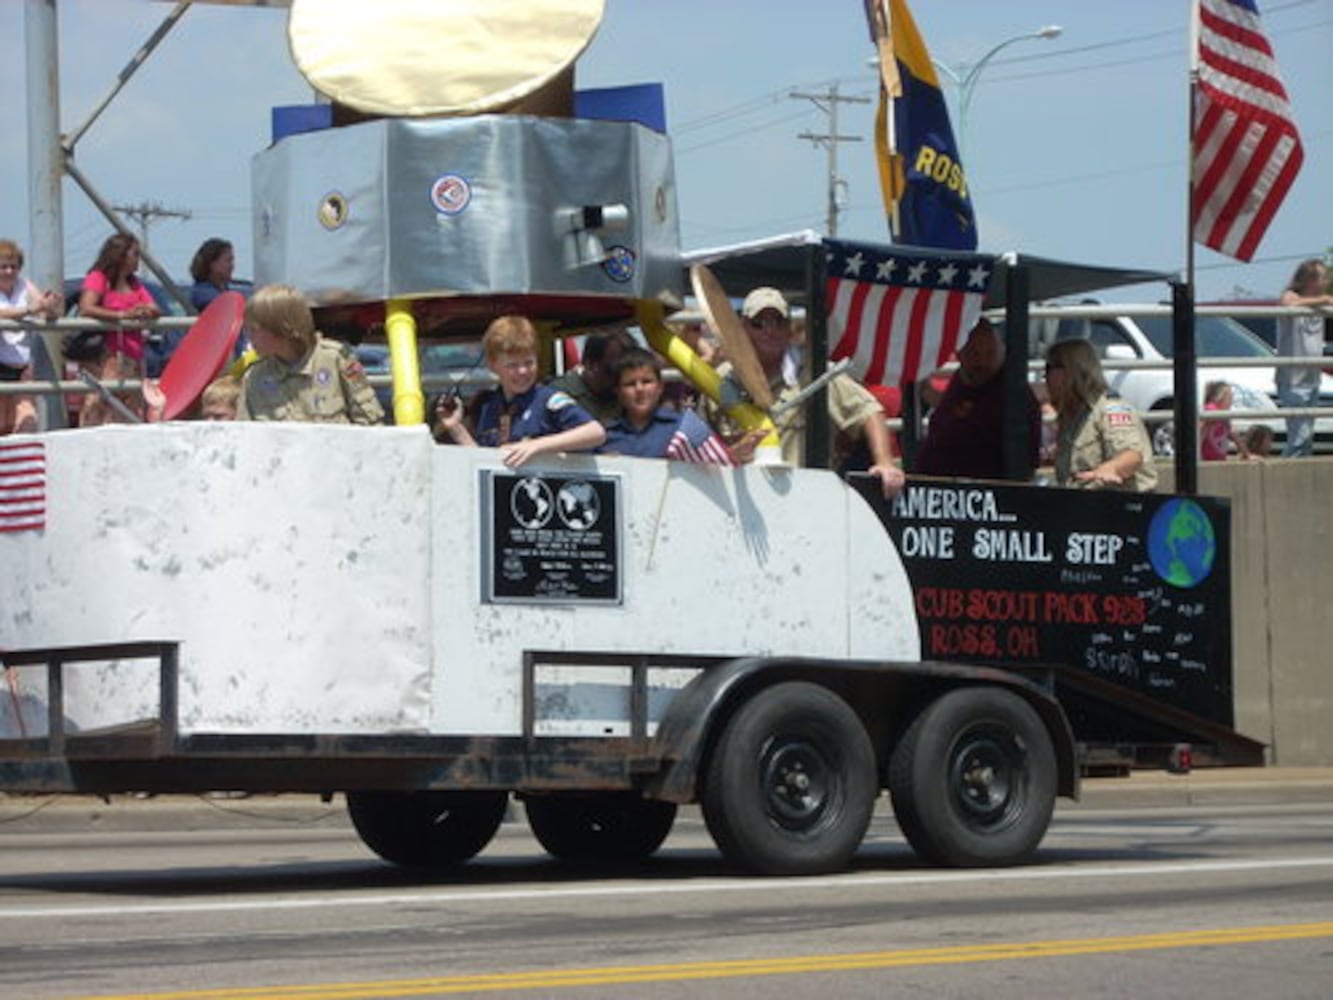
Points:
(427, 829)
(790, 785)
(613, 826)
(973, 779)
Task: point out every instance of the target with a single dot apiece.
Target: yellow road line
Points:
(620, 975)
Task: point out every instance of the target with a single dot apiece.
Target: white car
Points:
(1126, 335)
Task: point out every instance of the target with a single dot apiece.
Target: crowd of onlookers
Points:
(113, 293)
(617, 400)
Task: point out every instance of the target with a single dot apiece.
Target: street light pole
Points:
(964, 76)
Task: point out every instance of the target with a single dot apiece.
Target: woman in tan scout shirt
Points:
(1101, 442)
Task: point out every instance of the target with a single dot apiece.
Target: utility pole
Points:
(828, 102)
(146, 213)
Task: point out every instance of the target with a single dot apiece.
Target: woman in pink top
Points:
(113, 292)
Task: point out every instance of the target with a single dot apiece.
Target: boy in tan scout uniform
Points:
(300, 375)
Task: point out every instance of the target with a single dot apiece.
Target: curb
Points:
(74, 814)
(26, 814)
(1209, 786)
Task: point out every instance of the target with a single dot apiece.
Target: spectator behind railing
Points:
(1215, 435)
(211, 269)
(19, 299)
(1259, 441)
(1302, 337)
(113, 292)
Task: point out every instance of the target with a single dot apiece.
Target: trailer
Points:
(358, 610)
(316, 609)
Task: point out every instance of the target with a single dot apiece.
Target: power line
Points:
(754, 104)
(148, 212)
(741, 133)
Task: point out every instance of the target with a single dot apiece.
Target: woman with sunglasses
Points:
(1101, 442)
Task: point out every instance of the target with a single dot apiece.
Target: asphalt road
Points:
(1161, 887)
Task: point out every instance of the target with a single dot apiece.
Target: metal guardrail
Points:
(430, 382)
(441, 382)
(1113, 310)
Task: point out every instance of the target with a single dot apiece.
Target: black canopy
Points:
(793, 263)
(784, 262)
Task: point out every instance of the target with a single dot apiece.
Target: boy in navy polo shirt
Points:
(650, 430)
(521, 418)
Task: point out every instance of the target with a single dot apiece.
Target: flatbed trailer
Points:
(648, 634)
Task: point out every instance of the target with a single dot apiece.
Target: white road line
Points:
(843, 882)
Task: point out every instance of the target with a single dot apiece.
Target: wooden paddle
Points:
(722, 318)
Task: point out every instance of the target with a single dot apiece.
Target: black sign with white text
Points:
(1134, 588)
(551, 539)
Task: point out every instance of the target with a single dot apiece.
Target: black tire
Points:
(791, 782)
(973, 779)
(614, 826)
(426, 829)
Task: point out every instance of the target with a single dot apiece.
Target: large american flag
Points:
(22, 486)
(899, 312)
(1246, 150)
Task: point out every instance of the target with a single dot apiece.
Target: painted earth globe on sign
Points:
(579, 506)
(531, 503)
(1181, 543)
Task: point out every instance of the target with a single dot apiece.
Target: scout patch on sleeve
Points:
(559, 400)
(352, 369)
(1119, 416)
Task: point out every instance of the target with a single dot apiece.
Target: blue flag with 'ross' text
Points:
(925, 187)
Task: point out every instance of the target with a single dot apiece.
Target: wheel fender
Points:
(684, 732)
(682, 735)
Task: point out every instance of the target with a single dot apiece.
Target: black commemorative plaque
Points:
(551, 539)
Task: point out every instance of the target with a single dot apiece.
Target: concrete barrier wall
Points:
(1282, 601)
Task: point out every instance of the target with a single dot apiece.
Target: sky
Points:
(1075, 146)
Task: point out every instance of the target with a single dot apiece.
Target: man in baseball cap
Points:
(853, 411)
(765, 298)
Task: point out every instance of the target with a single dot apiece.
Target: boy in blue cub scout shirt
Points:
(521, 418)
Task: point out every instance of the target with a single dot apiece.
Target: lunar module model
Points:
(341, 609)
(454, 182)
